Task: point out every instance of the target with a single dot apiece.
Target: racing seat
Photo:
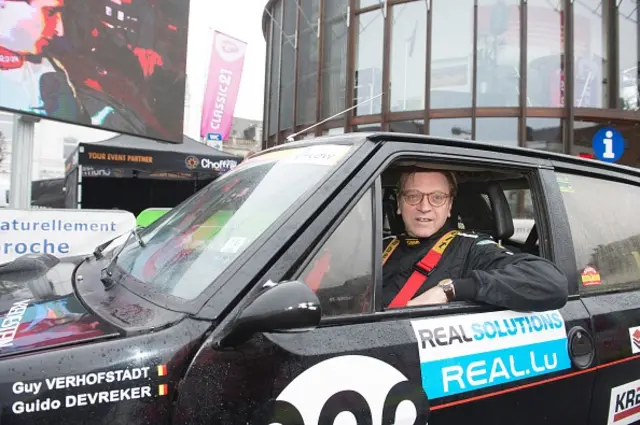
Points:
(389, 209)
(483, 207)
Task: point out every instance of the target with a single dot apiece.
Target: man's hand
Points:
(434, 295)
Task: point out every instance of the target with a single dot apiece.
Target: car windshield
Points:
(191, 245)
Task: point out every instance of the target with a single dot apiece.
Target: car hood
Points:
(39, 309)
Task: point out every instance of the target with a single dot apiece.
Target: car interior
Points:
(481, 204)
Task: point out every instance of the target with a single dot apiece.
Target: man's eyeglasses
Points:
(415, 197)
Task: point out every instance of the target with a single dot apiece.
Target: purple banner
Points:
(225, 72)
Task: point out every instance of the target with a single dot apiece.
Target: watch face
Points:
(447, 287)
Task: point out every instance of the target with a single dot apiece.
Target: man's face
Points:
(424, 217)
(26, 27)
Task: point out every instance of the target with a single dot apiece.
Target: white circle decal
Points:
(350, 390)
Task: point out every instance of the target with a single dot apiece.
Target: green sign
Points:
(148, 216)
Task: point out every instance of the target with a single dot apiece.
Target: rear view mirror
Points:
(286, 307)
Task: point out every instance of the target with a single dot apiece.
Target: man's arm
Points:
(521, 282)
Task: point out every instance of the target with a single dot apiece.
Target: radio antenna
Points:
(291, 137)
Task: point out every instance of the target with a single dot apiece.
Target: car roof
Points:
(342, 139)
(358, 138)
(503, 149)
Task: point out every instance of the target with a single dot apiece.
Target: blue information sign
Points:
(608, 144)
(214, 136)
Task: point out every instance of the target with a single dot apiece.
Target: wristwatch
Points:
(449, 290)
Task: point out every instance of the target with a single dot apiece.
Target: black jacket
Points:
(481, 270)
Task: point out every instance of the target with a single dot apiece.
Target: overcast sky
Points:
(240, 19)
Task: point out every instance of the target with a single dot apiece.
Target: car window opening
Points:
(494, 202)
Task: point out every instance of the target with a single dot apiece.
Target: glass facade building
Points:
(544, 74)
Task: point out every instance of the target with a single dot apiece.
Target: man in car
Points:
(464, 266)
(31, 80)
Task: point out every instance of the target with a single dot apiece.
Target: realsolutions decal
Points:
(464, 353)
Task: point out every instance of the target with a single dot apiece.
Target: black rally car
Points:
(257, 301)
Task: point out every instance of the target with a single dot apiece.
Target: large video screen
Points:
(119, 65)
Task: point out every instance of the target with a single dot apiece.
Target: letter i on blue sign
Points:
(608, 144)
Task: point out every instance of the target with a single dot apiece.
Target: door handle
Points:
(582, 350)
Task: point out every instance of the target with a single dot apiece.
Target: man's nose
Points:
(424, 205)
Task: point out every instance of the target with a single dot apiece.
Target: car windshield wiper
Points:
(107, 274)
(134, 231)
(100, 248)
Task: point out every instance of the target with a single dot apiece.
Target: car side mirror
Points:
(285, 307)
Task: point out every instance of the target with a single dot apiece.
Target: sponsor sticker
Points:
(565, 184)
(328, 155)
(11, 322)
(624, 406)
(320, 155)
(469, 352)
(634, 335)
(233, 245)
(590, 277)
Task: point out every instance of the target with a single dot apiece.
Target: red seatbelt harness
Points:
(422, 269)
(320, 268)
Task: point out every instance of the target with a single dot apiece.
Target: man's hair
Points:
(407, 172)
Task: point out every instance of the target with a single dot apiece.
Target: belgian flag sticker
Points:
(162, 370)
(163, 389)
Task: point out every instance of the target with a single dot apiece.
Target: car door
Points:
(361, 364)
(603, 214)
